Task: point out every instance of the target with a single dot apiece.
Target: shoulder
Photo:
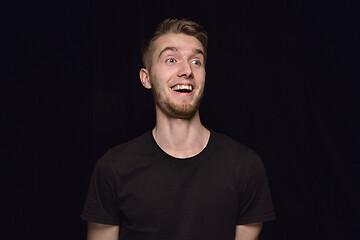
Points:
(244, 162)
(234, 152)
(130, 147)
(128, 153)
(230, 146)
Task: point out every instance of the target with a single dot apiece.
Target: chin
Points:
(175, 109)
(186, 111)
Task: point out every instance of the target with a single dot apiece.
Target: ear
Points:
(145, 78)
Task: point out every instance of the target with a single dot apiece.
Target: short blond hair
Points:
(173, 26)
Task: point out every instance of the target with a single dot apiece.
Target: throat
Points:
(180, 146)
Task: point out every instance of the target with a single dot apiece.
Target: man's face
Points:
(177, 75)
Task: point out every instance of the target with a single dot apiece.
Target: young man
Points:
(179, 181)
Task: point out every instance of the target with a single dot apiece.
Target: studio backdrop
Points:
(282, 78)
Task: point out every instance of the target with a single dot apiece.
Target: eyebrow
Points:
(174, 49)
(199, 51)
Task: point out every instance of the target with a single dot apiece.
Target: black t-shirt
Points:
(153, 195)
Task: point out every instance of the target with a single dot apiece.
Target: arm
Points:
(248, 231)
(98, 231)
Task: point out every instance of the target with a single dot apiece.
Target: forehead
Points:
(180, 41)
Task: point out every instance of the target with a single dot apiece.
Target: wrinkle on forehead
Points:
(174, 49)
(176, 42)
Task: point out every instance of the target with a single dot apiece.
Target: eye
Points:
(170, 60)
(196, 62)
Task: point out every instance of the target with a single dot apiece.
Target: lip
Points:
(182, 93)
(183, 83)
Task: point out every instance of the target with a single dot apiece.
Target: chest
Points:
(165, 196)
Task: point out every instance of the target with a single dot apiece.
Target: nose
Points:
(185, 70)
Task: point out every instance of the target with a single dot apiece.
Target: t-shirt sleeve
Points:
(100, 203)
(255, 203)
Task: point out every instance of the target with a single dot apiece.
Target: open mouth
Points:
(182, 88)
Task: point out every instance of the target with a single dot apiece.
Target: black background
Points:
(282, 77)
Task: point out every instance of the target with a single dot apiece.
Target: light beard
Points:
(173, 110)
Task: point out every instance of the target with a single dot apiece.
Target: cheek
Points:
(201, 77)
(163, 72)
(158, 81)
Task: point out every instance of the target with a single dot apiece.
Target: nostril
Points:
(187, 74)
(186, 71)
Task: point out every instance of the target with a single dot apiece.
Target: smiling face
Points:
(177, 75)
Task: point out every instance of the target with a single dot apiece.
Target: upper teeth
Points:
(181, 87)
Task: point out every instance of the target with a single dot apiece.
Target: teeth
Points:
(182, 87)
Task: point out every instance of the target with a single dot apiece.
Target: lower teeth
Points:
(183, 90)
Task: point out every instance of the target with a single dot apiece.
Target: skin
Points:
(177, 59)
(98, 231)
(248, 231)
(179, 136)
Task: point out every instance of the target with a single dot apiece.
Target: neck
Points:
(180, 138)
